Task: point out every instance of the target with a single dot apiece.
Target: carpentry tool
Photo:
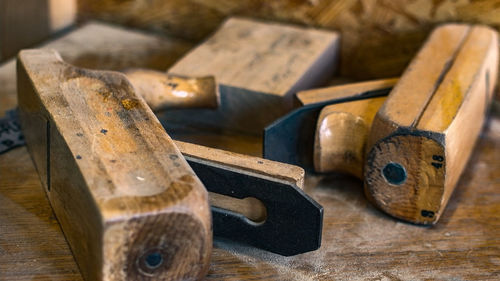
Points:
(259, 67)
(424, 133)
(290, 139)
(268, 183)
(129, 205)
(342, 128)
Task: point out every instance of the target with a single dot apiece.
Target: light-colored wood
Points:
(162, 91)
(323, 94)
(101, 46)
(245, 163)
(341, 134)
(130, 206)
(63, 13)
(251, 166)
(259, 66)
(251, 207)
(423, 135)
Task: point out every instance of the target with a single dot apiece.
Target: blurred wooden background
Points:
(379, 37)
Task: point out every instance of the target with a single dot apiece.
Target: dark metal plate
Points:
(294, 220)
(290, 139)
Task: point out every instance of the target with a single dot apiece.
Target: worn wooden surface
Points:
(424, 133)
(162, 91)
(129, 204)
(359, 242)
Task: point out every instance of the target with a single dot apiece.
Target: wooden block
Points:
(425, 132)
(259, 66)
(129, 205)
(30, 22)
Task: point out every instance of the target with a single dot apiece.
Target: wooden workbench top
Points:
(359, 242)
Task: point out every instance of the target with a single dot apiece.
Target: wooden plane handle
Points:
(423, 135)
(342, 128)
(167, 91)
(341, 134)
(129, 205)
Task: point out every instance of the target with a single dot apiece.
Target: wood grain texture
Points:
(259, 66)
(423, 135)
(101, 46)
(245, 163)
(129, 204)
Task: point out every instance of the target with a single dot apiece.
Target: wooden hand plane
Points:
(424, 133)
(129, 205)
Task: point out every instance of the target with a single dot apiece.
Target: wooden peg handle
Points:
(341, 134)
(425, 132)
(129, 205)
(166, 91)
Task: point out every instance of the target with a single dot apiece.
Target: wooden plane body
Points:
(129, 205)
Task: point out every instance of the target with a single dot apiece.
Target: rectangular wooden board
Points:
(259, 67)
